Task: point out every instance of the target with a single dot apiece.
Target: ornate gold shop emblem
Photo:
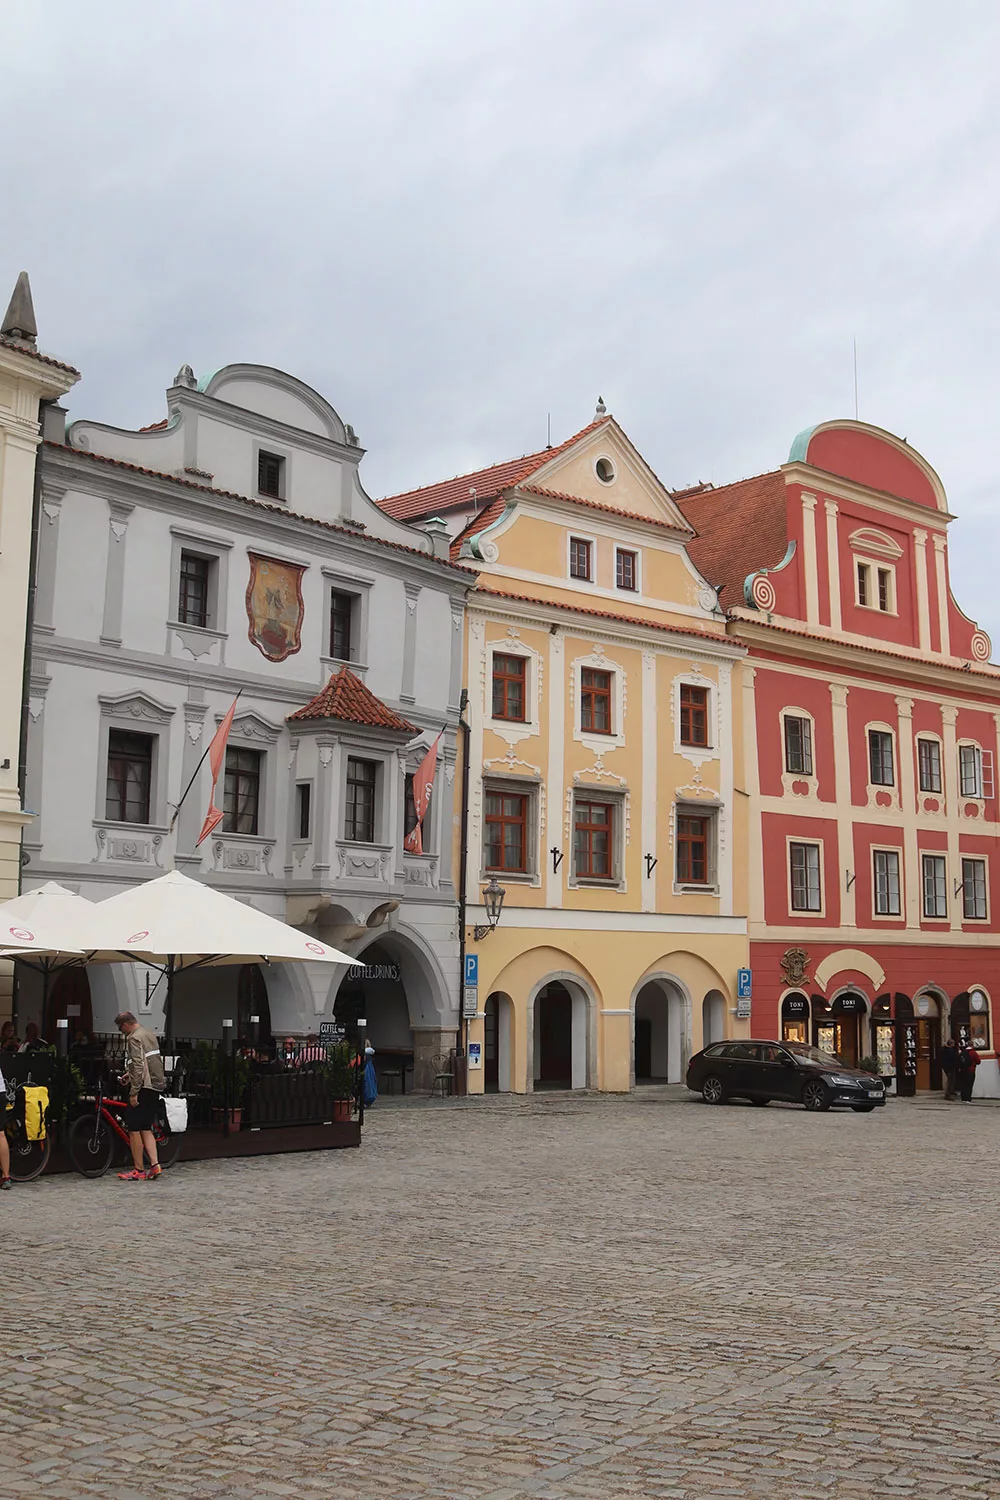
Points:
(794, 965)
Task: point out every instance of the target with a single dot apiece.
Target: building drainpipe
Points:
(463, 879)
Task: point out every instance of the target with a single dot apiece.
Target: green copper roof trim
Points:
(206, 380)
(762, 572)
(800, 446)
(473, 543)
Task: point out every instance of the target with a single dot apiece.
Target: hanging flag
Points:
(423, 785)
(216, 759)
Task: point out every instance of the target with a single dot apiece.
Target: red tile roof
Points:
(611, 510)
(278, 510)
(597, 614)
(46, 359)
(346, 697)
(453, 494)
(155, 426)
(867, 647)
(740, 528)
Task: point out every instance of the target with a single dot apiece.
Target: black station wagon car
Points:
(762, 1071)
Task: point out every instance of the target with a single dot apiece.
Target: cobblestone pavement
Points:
(559, 1297)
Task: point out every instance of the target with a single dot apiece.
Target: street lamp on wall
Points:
(493, 895)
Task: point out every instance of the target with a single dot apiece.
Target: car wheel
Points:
(759, 1102)
(816, 1095)
(862, 1109)
(713, 1090)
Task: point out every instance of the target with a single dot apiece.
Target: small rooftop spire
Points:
(601, 408)
(19, 319)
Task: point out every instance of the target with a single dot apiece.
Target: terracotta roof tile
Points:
(155, 426)
(597, 614)
(46, 359)
(278, 510)
(346, 697)
(868, 647)
(739, 528)
(611, 510)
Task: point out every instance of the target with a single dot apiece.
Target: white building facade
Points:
(231, 549)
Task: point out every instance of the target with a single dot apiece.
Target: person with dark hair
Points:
(968, 1062)
(8, 1037)
(949, 1068)
(4, 1148)
(146, 1081)
(32, 1040)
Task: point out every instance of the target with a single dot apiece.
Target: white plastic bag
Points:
(177, 1114)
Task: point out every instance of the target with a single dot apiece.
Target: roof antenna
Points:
(856, 379)
(548, 429)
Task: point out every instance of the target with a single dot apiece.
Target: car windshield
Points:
(815, 1055)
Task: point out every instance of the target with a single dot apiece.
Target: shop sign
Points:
(331, 1032)
(373, 971)
(851, 1002)
(795, 1005)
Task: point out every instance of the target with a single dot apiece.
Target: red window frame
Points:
(509, 683)
(593, 840)
(595, 701)
(580, 558)
(501, 815)
(694, 715)
(626, 569)
(692, 850)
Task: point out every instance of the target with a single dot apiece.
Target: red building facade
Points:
(871, 715)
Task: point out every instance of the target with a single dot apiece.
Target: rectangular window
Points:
(579, 558)
(303, 809)
(506, 841)
(241, 799)
(806, 891)
(626, 570)
(595, 701)
(864, 584)
(270, 473)
(970, 770)
(934, 882)
(694, 715)
(692, 850)
(508, 687)
(798, 745)
(593, 828)
(409, 806)
(929, 765)
(130, 766)
(341, 625)
(192, 603)
(885, 590)
(974, 890)
(359, 822)
(880, 758)
(887, 882)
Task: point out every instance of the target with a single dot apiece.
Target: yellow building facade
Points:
(604, 705)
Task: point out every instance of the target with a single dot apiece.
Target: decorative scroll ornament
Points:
(275, 607)
(763, 594)
(794, 965)
(980, 646)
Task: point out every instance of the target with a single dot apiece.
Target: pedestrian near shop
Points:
(4, 1148)
(968, 1062)
(949, 1068)
(146, 1081)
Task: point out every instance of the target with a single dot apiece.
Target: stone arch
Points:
(582, 1023)
(498, 1038)
(713, 1018)
(661, 1001)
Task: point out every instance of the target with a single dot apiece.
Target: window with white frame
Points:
(886, 882)
(360, 804)
(581, 558)
(595, 833)
(695, 846)
(626, 569)
(970, 770)
(974, 907)
(929, 765)
(934, 871)
(880, 759)
(509, 827)
(804, 876)
(876, 587)
(798, 745)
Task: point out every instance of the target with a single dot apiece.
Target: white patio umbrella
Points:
(175, 923)
(56, 920)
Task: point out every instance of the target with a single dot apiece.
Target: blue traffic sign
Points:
(472, 968)
(744, 984)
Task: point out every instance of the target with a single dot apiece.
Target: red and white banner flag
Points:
(216, 759)
(423, 785)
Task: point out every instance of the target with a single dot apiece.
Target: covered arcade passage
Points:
(659, 1032)
(561, 1036)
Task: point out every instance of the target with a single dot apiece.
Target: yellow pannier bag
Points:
(36, 1103)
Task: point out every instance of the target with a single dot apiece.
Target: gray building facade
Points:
(231, 549)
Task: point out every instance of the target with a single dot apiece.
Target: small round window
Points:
(605, 470)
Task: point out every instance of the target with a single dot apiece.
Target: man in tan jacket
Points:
(146, 1081)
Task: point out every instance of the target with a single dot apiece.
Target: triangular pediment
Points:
(603, 467)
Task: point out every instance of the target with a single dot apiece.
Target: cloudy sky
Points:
(454, 219)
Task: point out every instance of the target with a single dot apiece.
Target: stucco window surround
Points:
(135, 713)
(359, 588)
(605, 469)
(891, 873)
(806, 913)
(199, 639)
(712, 812)
(599, 661)
(531, 789)
(882, 795)
(974, 893)
(514, 730)
(875, 585)
(974, 773)
(617, 799)
(384, 762)
(285, 485)
(798, 783)
(931, 891)
(927, 764)
(696, 754)
(581, 536)
(636, 554)
(252, 732)
(299, 839)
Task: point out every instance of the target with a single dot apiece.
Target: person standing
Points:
(949, 1068)
(968, 1062)
(4, 1148)
(146, 1081)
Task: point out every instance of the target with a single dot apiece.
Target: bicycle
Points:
(28, 1158)
(94, 1136)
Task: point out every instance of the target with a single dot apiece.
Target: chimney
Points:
(437, 530)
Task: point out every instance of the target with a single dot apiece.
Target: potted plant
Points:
(341, 1073)
(230, 1079)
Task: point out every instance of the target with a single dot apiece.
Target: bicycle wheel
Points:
(91, 1145)
(28, 1159)
(168, 1144)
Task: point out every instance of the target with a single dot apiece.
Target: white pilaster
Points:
(845, 822)
(554, 780)
(751, 776)
(833, 564)
(649, 769)
(942, 593)
(810, 569)
(953, 803)
(923, 594)
(726, 786)
(908, 797)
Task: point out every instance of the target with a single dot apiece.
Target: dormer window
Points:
(270, 475)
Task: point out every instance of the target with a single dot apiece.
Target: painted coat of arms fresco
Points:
(274, 606)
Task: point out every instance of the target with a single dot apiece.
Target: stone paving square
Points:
(559, 1296)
